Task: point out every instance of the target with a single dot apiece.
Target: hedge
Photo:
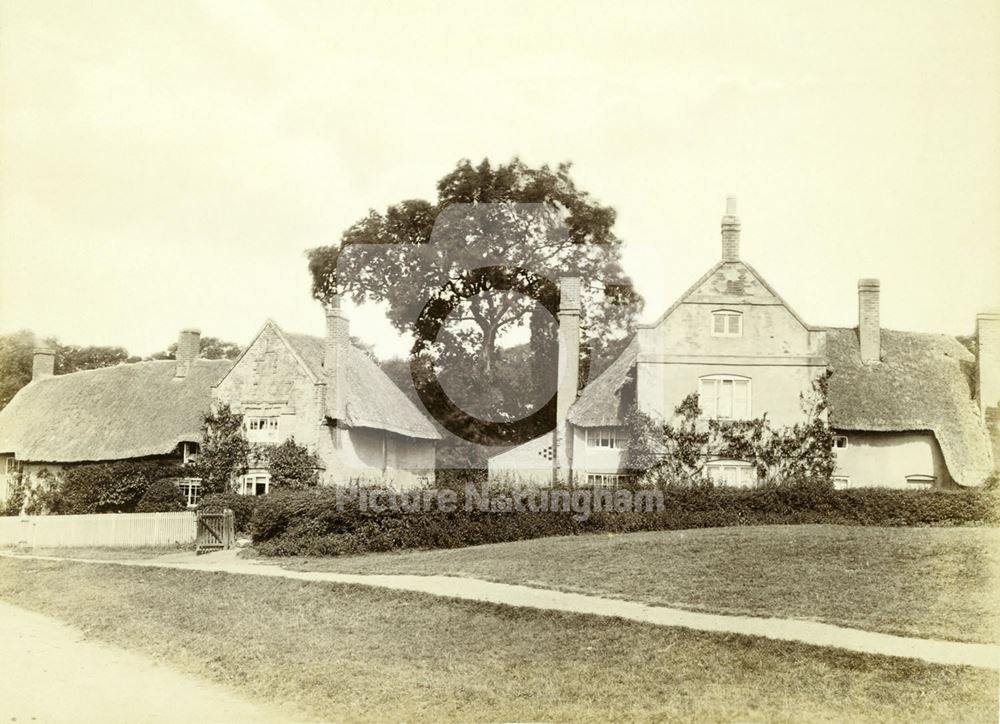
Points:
(163, 496)
(309, 522)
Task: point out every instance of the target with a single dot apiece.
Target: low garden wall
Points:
(126, 530)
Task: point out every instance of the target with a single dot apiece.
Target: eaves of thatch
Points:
(605, 400)
(371, 399)
(113, 413)
(923, 382)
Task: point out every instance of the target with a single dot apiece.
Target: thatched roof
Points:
(924, 382)
(605, 400)
(371, 399)
(113, 413)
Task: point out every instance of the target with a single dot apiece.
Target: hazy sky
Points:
(165, 164)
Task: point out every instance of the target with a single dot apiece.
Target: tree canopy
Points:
(533, 224)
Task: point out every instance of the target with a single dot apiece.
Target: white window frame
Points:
(838, 439)
(841, 482)
(744, 475)
(262, 428)
(611, 481)
(716, 383)
(191, 490)
(921, 479)
(606, 438)
(189, 451)
(13, 466)
(728, 316)
(248, 483)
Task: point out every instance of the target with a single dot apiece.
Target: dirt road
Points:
(49, 673)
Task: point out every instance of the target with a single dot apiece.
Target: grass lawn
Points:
(926, 582)
(104, 552)
(353, 653)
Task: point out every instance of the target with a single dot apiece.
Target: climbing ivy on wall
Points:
(676, 452)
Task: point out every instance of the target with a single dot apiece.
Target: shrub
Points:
(16, 493)
(243, 507)
(113, 487)
(309, 522)
(163, 496)
(225, 451)
(292, 466)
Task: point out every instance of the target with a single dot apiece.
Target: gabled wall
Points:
(269, 380)
(776, 351)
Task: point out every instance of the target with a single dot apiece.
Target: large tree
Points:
(535, 223)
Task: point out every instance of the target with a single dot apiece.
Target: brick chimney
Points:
(869, 327)
(43, 363)
(569, 370)
(730, 232)
(188, 347)
(988, 361)
(338, 340)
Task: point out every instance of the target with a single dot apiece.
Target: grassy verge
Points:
(927, 582)
(351, 653)
(104, 553)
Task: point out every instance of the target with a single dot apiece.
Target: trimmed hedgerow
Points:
(163, 496)
(309, 522)
(243, 507)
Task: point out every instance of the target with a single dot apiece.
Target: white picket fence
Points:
(126, 530)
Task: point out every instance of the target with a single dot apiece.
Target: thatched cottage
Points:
(141, 411)
(910, 409)
(324, 392)
(332, 397)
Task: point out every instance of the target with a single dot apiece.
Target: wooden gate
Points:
(215, 531)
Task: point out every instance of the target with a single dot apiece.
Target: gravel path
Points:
(953, 653)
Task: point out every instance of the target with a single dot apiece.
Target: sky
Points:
(165, 164)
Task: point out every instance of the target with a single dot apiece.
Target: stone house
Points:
(141, 411)
(330, 396)
(910, 409)
(324, 392)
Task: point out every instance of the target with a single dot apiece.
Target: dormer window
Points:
(727, 323)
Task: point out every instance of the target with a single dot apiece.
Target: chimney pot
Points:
(730, 232)
(43, 363)
(188, 347)
(869, 324)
